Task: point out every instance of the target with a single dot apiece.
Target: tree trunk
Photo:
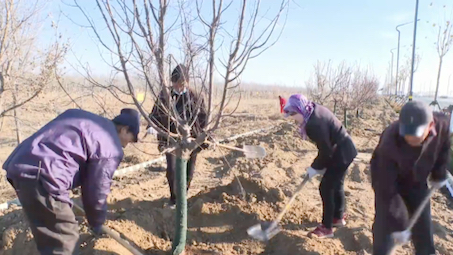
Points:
(16, 121)
(179, 241)
(345, 115)
(334, 106)
(438, 80)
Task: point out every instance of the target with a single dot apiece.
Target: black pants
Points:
(332, 193)
(171, 172)
(422, 232)
(332, 183)
(52, 222)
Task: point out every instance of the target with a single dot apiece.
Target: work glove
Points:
(437, 184)
(151, 131)
(97, 230)
(311, 172)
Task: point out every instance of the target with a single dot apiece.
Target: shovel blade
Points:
(254, 151)
(401, 238)
(264, 231)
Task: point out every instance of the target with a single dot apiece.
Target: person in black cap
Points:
(412, 154)
(77, 148)
(190, 106)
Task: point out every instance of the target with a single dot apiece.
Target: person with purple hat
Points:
(336, 151)
(76, 149)
(412, 155)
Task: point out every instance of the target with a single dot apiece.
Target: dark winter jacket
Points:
(396, 167)
(77, 148)
(329, 135)
(189, 105)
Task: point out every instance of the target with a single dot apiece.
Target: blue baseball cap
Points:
(130, 118)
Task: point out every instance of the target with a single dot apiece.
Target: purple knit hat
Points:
(298, 103)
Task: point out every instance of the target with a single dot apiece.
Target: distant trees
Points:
(26, 64)
(347, 87)
(443, 45)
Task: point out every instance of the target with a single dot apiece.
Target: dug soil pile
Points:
(219, 214)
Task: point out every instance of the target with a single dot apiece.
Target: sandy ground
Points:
(219, 215)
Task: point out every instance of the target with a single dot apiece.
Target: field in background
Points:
(219, 216)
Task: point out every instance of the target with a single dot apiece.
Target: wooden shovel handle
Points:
(114, 235)
(226, 146)
(290, 202)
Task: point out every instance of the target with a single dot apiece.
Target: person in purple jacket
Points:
(336, 151)
(77, 148)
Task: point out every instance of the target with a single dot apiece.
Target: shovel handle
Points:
(113, 235)
(420, 208)
(226, 146)
(416, 215)
(288, 205)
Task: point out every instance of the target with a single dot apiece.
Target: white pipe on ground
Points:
(137, 167)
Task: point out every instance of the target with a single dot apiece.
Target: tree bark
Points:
(16, 121)
(438, 79)
(345, 115)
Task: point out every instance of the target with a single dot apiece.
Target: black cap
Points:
(415, 117)
(179, 72)
(130, 118)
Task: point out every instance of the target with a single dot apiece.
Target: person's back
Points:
(58, 153)
(77, 148)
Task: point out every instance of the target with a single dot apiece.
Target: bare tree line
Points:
(347, 87)
(26, 66)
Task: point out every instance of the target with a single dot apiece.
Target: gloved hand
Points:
(97, 230)
(151, 131)
(313, 172)
(436, 184)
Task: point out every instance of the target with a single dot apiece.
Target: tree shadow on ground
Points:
(285, 243)
(305, 226)
(214, 216)
(228, 218)
(442, 231)
(353, 239)
(224, 162)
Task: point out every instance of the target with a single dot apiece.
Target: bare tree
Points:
(137, 35)
(319, 86)
(359, 89)
(25, 66)
(443, 45)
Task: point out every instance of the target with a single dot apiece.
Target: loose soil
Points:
(219, 215)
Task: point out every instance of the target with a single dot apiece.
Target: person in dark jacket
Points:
(191, 107)
(77, 148)
(410, 150)
(336, 151)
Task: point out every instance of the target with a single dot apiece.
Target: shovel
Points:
(250, 151)
(403, 237)
(114, 235)
(266, 230)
